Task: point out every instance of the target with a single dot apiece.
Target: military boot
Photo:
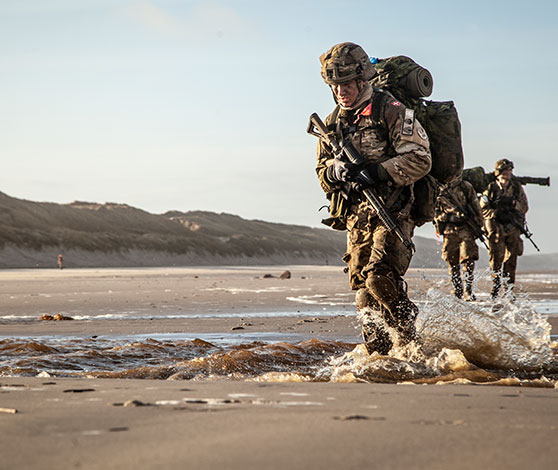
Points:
(399, 312)
(374, 333)
(508, 289)
(469, 277)
(405, 313)
(375, 336)
(455, 274)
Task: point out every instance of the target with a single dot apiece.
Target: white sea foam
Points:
(512, 336)
(543, 278)
(143, 316)
(237, 290)
(326, 300)
(456, 337)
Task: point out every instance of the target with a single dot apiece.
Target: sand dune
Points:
(89, 234)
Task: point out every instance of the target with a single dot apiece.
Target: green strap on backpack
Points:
(338, 210)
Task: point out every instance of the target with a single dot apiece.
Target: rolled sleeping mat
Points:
(419, 82)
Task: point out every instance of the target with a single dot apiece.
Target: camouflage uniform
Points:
(460, 247)
(376, 258)
(504, 210)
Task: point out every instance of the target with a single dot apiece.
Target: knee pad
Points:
(382, 288)
(363, 299)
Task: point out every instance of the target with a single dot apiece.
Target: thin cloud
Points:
(154, 18)
(205, 21)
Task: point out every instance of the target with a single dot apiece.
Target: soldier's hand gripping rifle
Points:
(345, 151)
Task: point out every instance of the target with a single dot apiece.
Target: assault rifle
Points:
(520, 222)
(478, 232)
(532, 180)
(470, 216)
(480, 179)
(345, 151)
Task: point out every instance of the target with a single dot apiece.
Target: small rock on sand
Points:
(57, 317)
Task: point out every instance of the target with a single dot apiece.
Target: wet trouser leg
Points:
(469, 269)
(508, 272)
(450, 254)
(374, 333)
(455, 275)
(377, 253)
(496, 284)
(514, 248)
(496, 252)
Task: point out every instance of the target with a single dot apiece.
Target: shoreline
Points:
(203, 299)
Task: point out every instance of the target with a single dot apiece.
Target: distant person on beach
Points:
(458, 218)
(504, 205)
(396, 157)
(60, 262)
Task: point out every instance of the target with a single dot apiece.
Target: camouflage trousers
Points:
(376, 250)
(376, 261)
(459, 247)
(505, 245)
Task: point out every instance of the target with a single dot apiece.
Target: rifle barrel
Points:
(533, 180)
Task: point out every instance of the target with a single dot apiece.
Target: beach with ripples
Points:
(248, 367)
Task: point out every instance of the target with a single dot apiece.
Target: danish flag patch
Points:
(396, 103)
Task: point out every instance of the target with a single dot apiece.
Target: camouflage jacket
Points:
(501, 203)
(457, 203)
(379, 136)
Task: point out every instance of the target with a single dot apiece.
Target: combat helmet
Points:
(502, 164)
(345, 62)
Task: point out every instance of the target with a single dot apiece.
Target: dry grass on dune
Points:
(115, 227)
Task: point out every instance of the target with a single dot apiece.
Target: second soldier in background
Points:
(459, 220)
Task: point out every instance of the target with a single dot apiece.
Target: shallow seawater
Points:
(459, 342)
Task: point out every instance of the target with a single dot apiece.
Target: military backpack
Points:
(409, 83)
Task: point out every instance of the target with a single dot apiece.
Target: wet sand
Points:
(201, 300)
(83, 423)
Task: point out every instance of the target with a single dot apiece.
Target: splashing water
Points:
(507, 343)
(457, 341)
(510, 335)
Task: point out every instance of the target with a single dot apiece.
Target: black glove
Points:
(372, 173)
(341, 172)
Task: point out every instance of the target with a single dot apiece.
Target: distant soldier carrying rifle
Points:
(480, 179)
(394, 153)
(459, 220)
(504, 205)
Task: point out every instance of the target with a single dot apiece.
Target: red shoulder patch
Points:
(396, 103)
(367, 111)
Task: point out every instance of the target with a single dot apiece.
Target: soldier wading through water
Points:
(396, 155)
(504, 205)
(458, 214)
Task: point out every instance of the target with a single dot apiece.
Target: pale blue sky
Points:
(192, 105)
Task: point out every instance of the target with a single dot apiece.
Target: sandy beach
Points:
(240, 422)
